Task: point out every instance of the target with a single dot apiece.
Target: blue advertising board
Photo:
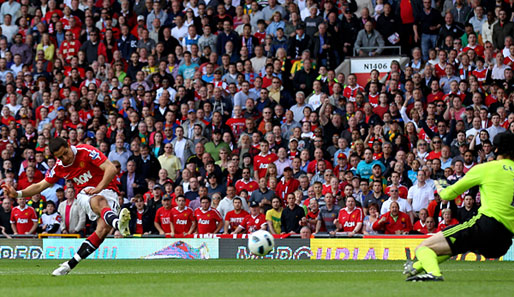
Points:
(158, 248)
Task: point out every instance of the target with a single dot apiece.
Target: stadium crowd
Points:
(229, 116)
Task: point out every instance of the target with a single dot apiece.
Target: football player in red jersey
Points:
(92, 175)
(162, 221)
(235, 217)
(23, 218)
(254, 221)
(208, 219)
(183, 218)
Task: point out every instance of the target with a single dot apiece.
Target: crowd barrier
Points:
(228, 247)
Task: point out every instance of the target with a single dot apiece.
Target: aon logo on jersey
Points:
(82, 179)
(349, 224)
(263, 166)
(203, 222)
(181, 222)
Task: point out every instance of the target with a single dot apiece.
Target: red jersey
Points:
(260, 36)
(435, 97)
(439, 70)
(391, 225)
(163, 218)
(69, 49)
(182, 219)
(24, 218)
(252, 224)
(85, 170)
(351, 92)
(207, 220)
(139, 222)
(420, 227)
(373, 99)
(443, 225)
(261, 163)
(434, 155)
(508, 61)
(479, 50)
(349, 219)
(402, 191)
(235, 219)
(406, 12)
(237, 125)
(249, 186)
(313, 166)
(481, 75)
(283, 188)
(50, 108)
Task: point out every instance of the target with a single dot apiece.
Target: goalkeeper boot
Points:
(409, 270)
(424, 277)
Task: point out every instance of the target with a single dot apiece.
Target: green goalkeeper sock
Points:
(429, 260)
(440, 259)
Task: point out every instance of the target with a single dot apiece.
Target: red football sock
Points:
(104, 210)
(95, 240)
(110, 217)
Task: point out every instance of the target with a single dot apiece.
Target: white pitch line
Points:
(31, 272)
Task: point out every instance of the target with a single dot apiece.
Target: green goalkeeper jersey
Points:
(496, 182)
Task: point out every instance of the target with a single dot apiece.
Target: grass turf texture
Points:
(249, 278)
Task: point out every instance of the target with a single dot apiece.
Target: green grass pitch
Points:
(249, 278)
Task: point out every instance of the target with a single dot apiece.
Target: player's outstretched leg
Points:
(411, 268)
(87, 248)
(430, 253)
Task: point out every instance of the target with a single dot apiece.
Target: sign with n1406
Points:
(365, 65)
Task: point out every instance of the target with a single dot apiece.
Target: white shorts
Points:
(109, 195)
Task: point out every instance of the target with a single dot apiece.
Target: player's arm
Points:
(28, 191)
(109, 173)
(472, 178)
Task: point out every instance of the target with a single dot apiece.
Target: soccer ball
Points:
(260, 243)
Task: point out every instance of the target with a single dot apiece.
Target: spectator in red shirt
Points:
(350, 218)
(162, 221)
(140, 216)
(421, 225)
(287, 185)
(252, 222)
(394, 221)
(235, 217)
(262, 160)
(246, 183)
(183, 219)
(28, 177)
(447, 221)
(23, 218)
(208, 219)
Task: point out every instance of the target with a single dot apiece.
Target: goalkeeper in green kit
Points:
(490, 232)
